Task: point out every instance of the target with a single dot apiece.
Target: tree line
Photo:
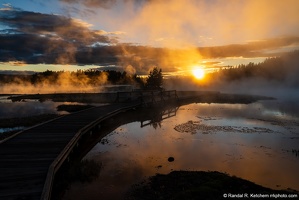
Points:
(92, 77)
(283, 69)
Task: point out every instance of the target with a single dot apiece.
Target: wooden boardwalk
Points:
(26, 159)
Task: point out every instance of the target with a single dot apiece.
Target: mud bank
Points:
(200, 185)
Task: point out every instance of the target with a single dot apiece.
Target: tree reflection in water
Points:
(86, 171)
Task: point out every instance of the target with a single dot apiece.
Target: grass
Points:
(192, 185)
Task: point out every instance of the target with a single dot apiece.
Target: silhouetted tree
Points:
(139, 81)
(154, 80)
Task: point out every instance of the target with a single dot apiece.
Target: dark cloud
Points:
(92, 3)
(43, 38)
(251, 49)
(143, 58)
(53, 26)
(21, 46)
(35, 37)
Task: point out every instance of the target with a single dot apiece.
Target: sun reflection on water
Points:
(133, 153)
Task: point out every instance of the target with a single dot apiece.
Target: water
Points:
(18, 128)
(29, 108)
(9, 109)
(254, 142)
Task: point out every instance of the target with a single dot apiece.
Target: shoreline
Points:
(183, 97)
(111, 97)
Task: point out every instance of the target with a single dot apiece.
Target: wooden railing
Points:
(46, 194)
(144, 98)
(147, 97)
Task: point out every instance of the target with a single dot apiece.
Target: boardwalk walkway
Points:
(25, 159)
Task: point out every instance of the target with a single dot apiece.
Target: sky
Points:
(133, 34)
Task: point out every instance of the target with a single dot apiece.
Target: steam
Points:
(142, 59)
(185, 23)
(66, 82)
(190, 23)
(179, 26)
(182, 25)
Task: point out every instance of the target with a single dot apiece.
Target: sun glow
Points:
(198, 73)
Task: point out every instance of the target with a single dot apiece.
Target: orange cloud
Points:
(185, 23)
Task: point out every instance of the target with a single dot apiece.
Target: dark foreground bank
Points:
(179, 185)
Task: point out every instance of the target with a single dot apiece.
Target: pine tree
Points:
(154, 80)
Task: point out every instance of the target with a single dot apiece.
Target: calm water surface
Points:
(254, 142)
(9, 109)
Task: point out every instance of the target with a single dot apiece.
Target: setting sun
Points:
(199, 73)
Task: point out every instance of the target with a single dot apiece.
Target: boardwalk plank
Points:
(25, 158)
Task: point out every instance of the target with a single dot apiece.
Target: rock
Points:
(170, 159)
